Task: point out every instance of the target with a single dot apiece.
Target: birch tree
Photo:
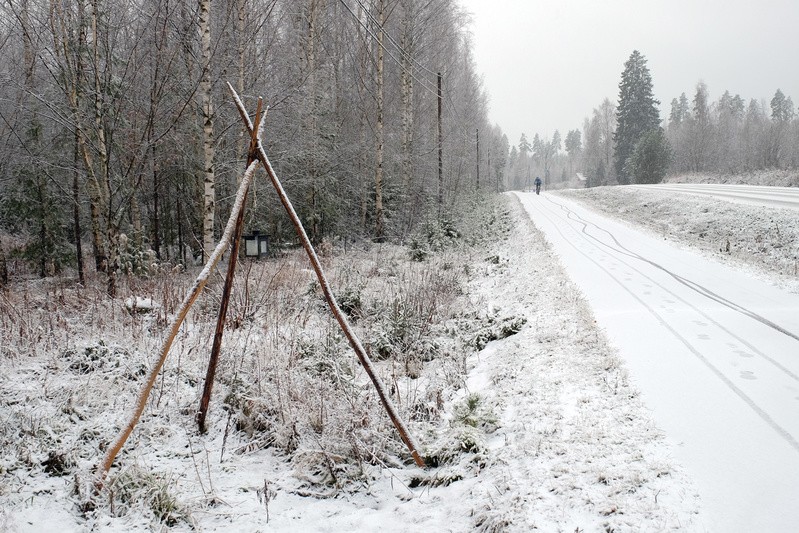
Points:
(207, 117)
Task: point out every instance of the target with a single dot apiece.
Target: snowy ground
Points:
(712, 349)
(540, 429)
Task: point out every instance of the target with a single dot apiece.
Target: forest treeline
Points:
(118, 135)
(730, 136)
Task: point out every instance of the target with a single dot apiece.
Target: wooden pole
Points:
(213, 360)
(188, 301)
(366, 362)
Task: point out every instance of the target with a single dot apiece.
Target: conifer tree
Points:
(637, 113)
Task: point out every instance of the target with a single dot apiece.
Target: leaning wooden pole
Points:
(213, 359)
(331, 300)
(188, 301)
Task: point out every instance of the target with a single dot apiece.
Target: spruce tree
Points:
(650, 159)
(637, 113)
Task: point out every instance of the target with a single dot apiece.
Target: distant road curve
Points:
(784, 197)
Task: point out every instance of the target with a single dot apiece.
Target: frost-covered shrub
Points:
(463, 444)
(418, 251)
(58, 464)
(511, 326)
(403, 328)
(494, 328)
(349, 301)
(137, 487)
(325, 357)
(474, 412)
(434, 235)
(102, 357)
(134, 260)
(249, 414)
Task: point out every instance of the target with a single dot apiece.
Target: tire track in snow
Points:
(688, 283)
(763, 415)
(691, 285)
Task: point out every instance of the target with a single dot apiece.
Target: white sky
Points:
(547, 64)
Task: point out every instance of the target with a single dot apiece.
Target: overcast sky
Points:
(546, 64)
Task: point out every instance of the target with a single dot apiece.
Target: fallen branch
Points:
(331, 300)
(188, 301)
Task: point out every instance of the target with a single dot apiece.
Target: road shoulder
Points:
(576, 448)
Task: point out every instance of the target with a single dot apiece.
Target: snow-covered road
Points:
(714, 352)
(784, 197)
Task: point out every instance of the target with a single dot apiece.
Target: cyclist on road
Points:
(537, 185)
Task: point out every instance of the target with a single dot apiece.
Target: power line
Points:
(424, 83)
(460, 132)
(407, 55)
(411, 59)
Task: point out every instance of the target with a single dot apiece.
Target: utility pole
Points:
(528, 178)
(440, 154)
(489, 168)
(477, 139)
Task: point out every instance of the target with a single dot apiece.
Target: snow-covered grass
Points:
(773, 177)
(763, 239)
(575, 448)
(525, 415)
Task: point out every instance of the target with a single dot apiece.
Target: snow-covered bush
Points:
(461, 450)
(490, 326)
(136, 487)
(474, 412)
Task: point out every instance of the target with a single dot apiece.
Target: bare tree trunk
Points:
(159, 40)
(312, 119)
(98, 243)
(28, 54)
(76, 208)
(477, 148)
(241, 16)
(207, 110)
(361, 171)
(406, 82)
(440, 153)
(179, 215)
(29, 60)
(72, 69)
(76, 157)
(113, 259)
(379, 139)
(3, 269)
(42, 228)
(156, 202)
(364, 56)
(135, 220)
(102, 183)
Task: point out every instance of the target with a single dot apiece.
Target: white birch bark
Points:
(207, 112)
